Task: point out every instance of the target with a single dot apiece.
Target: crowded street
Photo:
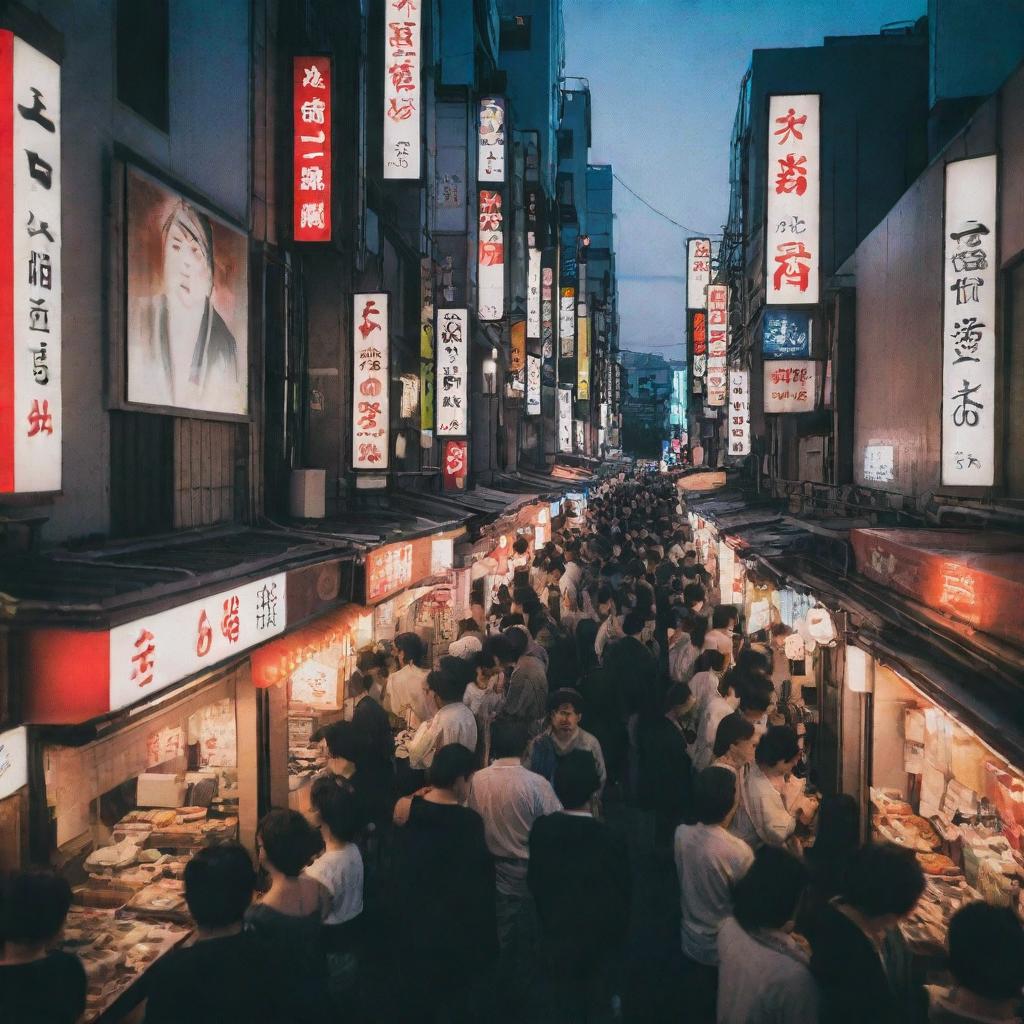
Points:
(528, 523)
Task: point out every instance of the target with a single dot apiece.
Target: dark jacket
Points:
(635, 670)
(377, 769)
(852, 983)
(579, 876)
(666, 774)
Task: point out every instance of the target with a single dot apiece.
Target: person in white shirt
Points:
(724, 702)
(707, 674)
(709, 863)
(764, 974)
(719, 637)
(770, 808)
(735, 744)
(453, 722)
(682, 653)
(483, 696)
(405, 693)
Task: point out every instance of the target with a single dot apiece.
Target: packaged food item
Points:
(937, 864)
(156, 789)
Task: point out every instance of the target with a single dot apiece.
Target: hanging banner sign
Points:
(491, 151)
(718, 343)
(583, 359)
(790, 385)
(532, 385)
(456, 465)
(968, 323)
(565, 419)
(567, 322)
(698, 272)
(311, 150)
(452, 372)
(533, 295)
(699, 340)
(792, 218)
(547, 318)
(491, 258)
(427, 391)
(517, 352)
(371, 379)
(402, 90)
(739, 412)
(13, 761)
(533, 216)
(30, 276)
(786, 334)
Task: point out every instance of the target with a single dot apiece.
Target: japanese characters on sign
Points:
(547, 319)
(13, 761)
(371, 379)
(577, 433)
(792, 231)
(150, 654)
(698, 271)
(968, 324)
(388, 569)
(739, 412)
(452, 372)
(491, 257)
(698, 323)
(786, 334)
(879, 463)
(532, 385)
(790, 385)
(565, 419)
(456, 465)
(30, 283)
(491, 151)
(567, 322)
(311, 125)
(402, 89)
(533, 294)
(718, 342)
(427, 382)
(583, 358)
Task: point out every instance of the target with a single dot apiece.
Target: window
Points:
(142, 59)
(565, 144)
(515, 32)
(563, 186)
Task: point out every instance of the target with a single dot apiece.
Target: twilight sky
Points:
(664, 79)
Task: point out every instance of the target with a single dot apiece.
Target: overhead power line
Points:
(665, 216)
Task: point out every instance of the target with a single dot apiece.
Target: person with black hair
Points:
(443, 893)
(527, 687)
(707, 674)
(452, 722)
(683, 654)
(723, 625)
(882, 886)
(986, 959)
(764, 815)
(225, 974)
(609, 613)
(562, 736)
(405, 694)
(735, 743)
(372, 728)
(580, 879)
(763, 973)
(37, 981)
(836, 840)
(723, 703)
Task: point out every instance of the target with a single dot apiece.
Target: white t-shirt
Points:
(704, 746)
(340, 872)
(453, 723)
(762, 817)
(407, 695)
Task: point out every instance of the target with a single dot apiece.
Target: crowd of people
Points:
(470, 852)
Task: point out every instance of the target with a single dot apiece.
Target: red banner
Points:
(311, 122)
(456, 465)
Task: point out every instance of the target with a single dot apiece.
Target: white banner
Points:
(968, 322)
(371, 379)
(718, 343)
(491, 258)
(402, 89)
(567, 322)
(13, 761)
(739, 412)
(698, 271)
(491, 151)
(152, 653)
(30, 230)
(532, 385)
(792, 229)
(533, 294)
(565, 419)
(452, 372)
(790, 385)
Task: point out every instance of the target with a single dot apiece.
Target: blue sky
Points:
(664, 78)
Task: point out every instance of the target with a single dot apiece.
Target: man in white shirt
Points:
(453, 722)
(719, 637)
(405, 693)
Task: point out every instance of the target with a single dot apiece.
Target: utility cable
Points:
(665, 216)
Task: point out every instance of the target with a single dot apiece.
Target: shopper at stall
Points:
(580, 879)
(452, 722)
(882, 886)
(527, 688)
(666, 773)
(724, 703)
(376, 742)
(37, 982)
(346, 753)
(563, 735)
(405, 694)
(735, 744)
(707, 674)
(836, 842)
(764, 974)
(443, 894)
(986, 960)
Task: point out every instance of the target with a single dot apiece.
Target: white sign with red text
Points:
(150, 654)
(370, 381)
(452, 372)
(490, 269)
(402, 89)
(718, 343)
(698, 271)
(790, 385)
(739, 412)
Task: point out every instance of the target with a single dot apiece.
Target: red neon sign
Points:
(311, 125)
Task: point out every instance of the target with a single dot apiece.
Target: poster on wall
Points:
(968, 322)
(311, 149)
(532, 385)
(786, 334)
(452, 372)
(491, 257)
(31, 413)
(792, 216)
(567, 322)
(547, 318)
(533, 295)
(402, 89)
(718, 343)
(739, 412)
(371, 379)
(583, 358)
(565, 419)
(491, 151)
(456, 465)
(698, 271)
(790, 385)
(188, 299)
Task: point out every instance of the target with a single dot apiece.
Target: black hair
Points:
(508, 738)
(510, 620)
(768, 894)
(520, 545)
(446, 684)
(605, 594)
(412, 647)
(33, 906)
(986, 950)
(458, 667)
(677, 694)
(288, 840)
(732, 729)
(369, 660)
(723, 615)
(711, 660)
(565, 695)
(343, 740)
(633, 623)
(576, 779)
(500, 649)
(694, 593)
(453, 761)
(714, 793)
(518, 640)
(219, 883)
(753, 662)
(838, 833)
(467, 626)
(883, 879)
(753, 698)
(523, 594)
(779, 743)
(338, 806)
